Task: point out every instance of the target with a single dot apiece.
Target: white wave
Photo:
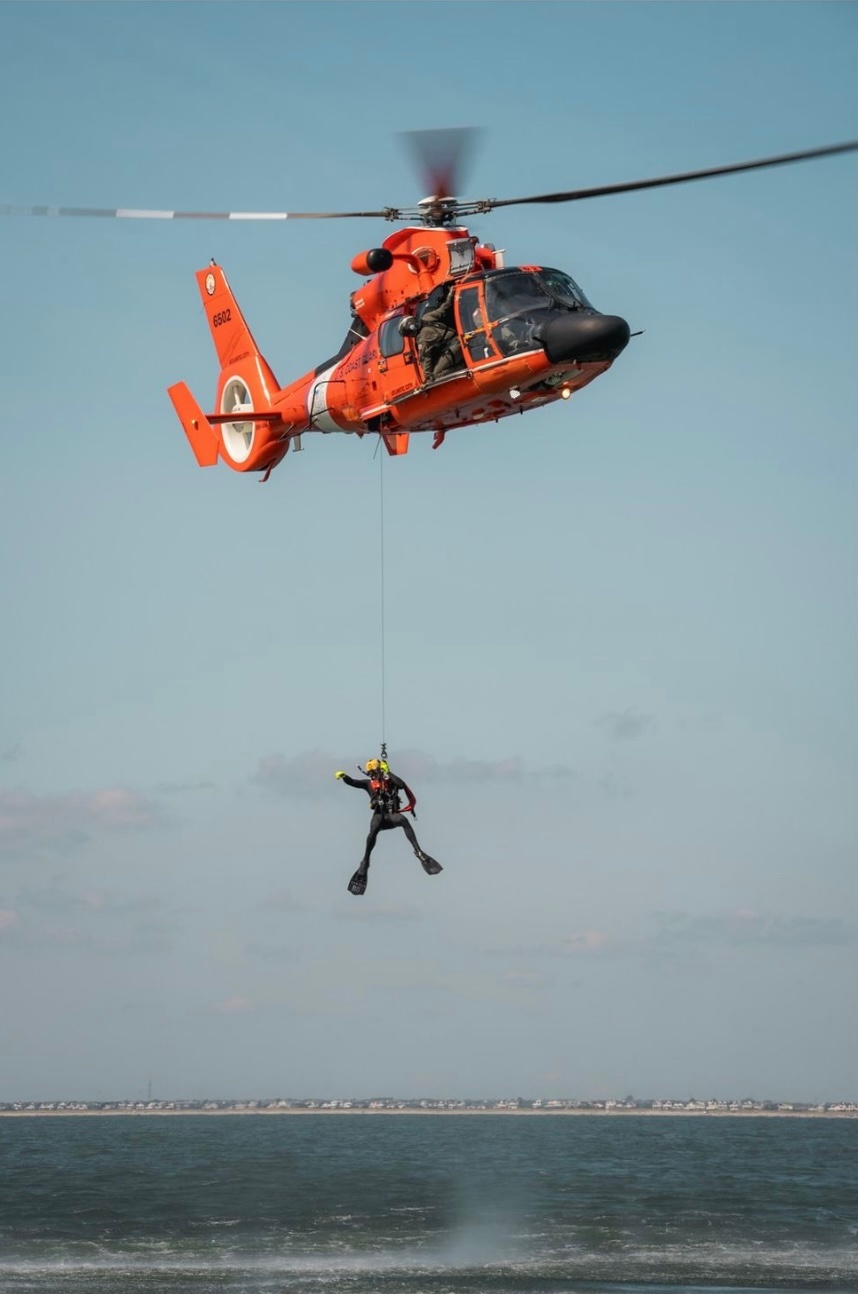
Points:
(463, 1253)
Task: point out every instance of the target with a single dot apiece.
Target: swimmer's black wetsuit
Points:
(384, 793)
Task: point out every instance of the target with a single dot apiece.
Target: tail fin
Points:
(197, 427)
(232, 338)
(245, 430)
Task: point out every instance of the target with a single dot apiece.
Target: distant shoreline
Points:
(356, 1113)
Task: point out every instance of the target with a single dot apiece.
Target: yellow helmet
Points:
(372, 765)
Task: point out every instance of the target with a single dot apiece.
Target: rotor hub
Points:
(437, 212)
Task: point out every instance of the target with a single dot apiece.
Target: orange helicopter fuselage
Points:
(499, 364)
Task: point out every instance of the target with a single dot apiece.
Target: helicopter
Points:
(519, 337)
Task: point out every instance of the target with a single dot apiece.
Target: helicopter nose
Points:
(584, 337)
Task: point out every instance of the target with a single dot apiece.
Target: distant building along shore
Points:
(391, 1105)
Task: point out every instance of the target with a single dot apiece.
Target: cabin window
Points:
(390, 340)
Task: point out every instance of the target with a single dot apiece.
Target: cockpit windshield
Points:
(564, 290)
(516, 302)
(520, 302)
(515, 293)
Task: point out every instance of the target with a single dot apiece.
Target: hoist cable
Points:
(381, 546)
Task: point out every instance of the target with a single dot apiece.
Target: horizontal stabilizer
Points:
(198, 429)
(244, 415)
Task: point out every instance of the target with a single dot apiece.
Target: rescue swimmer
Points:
(384, 789)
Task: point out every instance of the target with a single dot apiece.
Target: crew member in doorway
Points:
(384, 789)
(437, 342)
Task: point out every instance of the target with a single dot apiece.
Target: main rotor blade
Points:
(576, 195)
(444, 178)
(132, 213)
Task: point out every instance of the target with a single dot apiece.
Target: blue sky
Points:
(620, 633)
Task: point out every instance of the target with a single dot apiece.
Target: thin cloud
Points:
(60, 823)
(511, 769)
(102, 922)
(8, 918)
(683, 937)
(13, 753)
(280, 901)
(234, 1005)
(268, 952)
(300, 776)
(185, 788)
(587, 941)
(615, 788)
(139, 939)
(56, 900)
(579, 943)
(528, 979)
(745, 928)
(508, 951)
(702, 723)
(296, 777)
(627, 725)
(384, 912)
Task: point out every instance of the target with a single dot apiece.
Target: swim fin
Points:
(357, 885)
(430, 866)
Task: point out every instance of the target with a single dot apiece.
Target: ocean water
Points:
(399, 1204)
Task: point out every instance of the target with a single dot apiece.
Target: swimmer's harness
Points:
(383, 793)
(383, 796)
